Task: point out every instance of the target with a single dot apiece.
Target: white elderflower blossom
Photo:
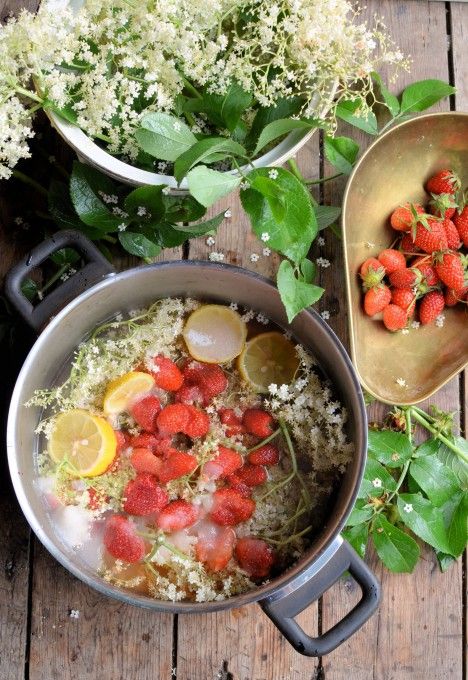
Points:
(273, 173)
(408, 507)
(266, 252)
(440, 320)
(233, 306)
(228, 213)
(210, 241)
(321, 241)
(377, 483)
(254, 257)
(401, 382)
(323, 262)
(325, 314)
(216, 257)
(265, 236)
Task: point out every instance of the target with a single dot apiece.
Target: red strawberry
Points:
(143, 495)
(209, 378)
(431, 306)
(371, 273)
(265, 455)
(228, 417)
(444, 182)
(123, 439)
(177, 464)
(376, 299)
(258, 422)
(407, 244)
(145, 412)
(252, 475)
(404, 278)
(189, 394)
(96, 499)
(424, 265)
(121, 540)
(173, 418)
(255, 556)
(402, 219)
(394, 317)
(177, 515)
(147, 440)
(166, 374)
(461, 222)
(226, 462)
(443, 205)
(453, 237)
(452, 297)
(450, 270)
(392, 260)
(144, 460)
(404, 298)
(230, 507)
(198, 424)
(238, 485)
(215, 545)
(430, 236)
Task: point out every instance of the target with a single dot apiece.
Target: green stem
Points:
(435, 433)
(288, 521)
(189, 118)
(103, 138)
(193, 90)
(289, 539)
(323, 179)
(295, 170)
(389, 124)
(30, 95)
(55, 277)
(265, 441)
(294, 460)
(30, 181)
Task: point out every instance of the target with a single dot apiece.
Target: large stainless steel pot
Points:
(329, 556)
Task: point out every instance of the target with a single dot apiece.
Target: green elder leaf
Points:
(275, 197)
(200, 228)
(139, 245)
(183, 208)
(292, 235)
(225, 110)
(326, 215)
(390, 101)
(458, 466)
(207, 186)
(149, 198)
(424, 94)
(296, 295)
(445, 561)
(376, 481)
(456, 521)
(86, 183)
(308, 270)
(357, 537)
(392, 449)
(279, 128)
(163, 136)
(348, 110)
(398, 551)
(283, 108)
(341, 152)
(360, 513)
(424, 519)
(435, 479)
(206, 151)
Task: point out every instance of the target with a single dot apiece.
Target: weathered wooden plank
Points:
(405, 639)
(459, 34)
(243, 644)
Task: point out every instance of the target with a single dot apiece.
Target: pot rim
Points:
(327, 540)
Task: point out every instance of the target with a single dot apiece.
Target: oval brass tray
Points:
(394, 367)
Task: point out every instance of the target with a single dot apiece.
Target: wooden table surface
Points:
(419, 632)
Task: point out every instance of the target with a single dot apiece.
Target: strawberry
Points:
(376, 299)
(394, 317)
(166, 375)
(252, 475)
(173, 418)
(215, 545)
(452, 297)
(371, 273)
(405, 278)
(145, 412)
(230, 507)
(453, 237)
(255, 556)
(258, 422)
(198, 424)
(209, 378)
(402, 218)
(177, 515)
(123, 439)
(450, 269)
(431, 306)
(149, 440)
(443, 205)
(429, 275)
(189, 394)
(144, 460)
(96, 499)
(407, 244)
(228, 417)
(392, 260)
(460, 220)
(265, 455)
(226, 462)
(243, 488)
(444, 182)
(121, 540)
(143, 495)
(177, 464)
(430, 235)
(404, 298)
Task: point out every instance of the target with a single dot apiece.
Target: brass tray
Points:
(393, 367)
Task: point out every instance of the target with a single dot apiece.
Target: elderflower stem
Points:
(290, 538)
(288, 521)
(293, 458)
(267, 440)
(30, 181)
(438, 435)
(321, 180)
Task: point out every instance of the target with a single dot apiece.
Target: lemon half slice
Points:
(268, 358)
(214, 334)
(122, 391)
(88, 442)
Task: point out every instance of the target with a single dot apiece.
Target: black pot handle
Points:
(95, 268)
(283, 610)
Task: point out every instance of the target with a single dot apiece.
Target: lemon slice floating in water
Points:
(87, 442)
(214, 334)
(122, 391)
(268, 358)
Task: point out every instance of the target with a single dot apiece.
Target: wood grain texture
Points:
(459, 42)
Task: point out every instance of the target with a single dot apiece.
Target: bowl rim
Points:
(349, 299)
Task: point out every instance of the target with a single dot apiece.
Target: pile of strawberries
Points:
(160, 454)
(426, 269)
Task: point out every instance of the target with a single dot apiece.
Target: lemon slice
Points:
(268, 358)
(122, 391)
(88, 442)
(214, 334)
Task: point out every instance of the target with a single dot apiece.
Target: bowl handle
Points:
(95, 268)
(283, 609)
